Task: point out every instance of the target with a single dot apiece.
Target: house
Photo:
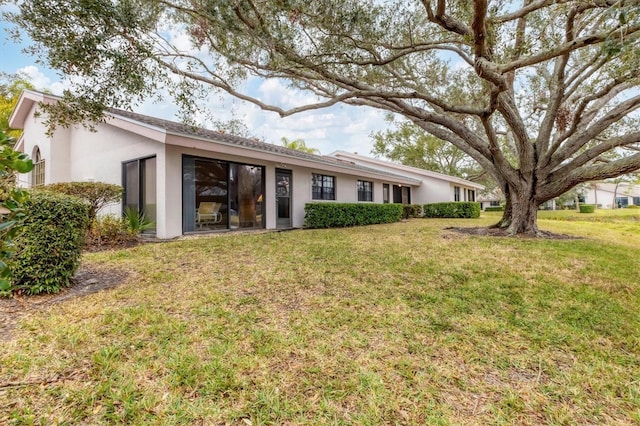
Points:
(610, 195)
(188, 179)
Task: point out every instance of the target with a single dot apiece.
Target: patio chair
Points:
(208, 213)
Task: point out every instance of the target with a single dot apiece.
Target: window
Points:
(323, 187)
(622, 202)
(472, 195)
(494, 203)
(456, 193)
(37, 174)
(385, 193)
(365, 190)
(636, 201)
(139, 183)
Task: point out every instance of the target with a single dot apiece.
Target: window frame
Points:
(456, 193)
(38, 171)
(364, 194)
(323, 192)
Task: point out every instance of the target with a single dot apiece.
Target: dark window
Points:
(582, 199)
(385, 193)
(494, 203)
(636, 201)
(365, 190)
(472, 195)
(323, 187)
(139, 182)
(456, 193)
(622, 202)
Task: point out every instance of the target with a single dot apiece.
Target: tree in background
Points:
(10, 89)
(299, 145)
(540, 94)
(408, 144)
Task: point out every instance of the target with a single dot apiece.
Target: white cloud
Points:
(41, 81)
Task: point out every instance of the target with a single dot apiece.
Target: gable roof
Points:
(165, 131)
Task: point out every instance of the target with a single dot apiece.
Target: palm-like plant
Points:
(299, 145)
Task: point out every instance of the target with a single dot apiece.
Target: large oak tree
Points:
(541, 93)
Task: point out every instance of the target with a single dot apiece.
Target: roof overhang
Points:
(373, 162)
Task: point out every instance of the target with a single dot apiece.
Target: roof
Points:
(162, 128)
(374, 162)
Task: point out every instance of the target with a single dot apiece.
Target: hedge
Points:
(97, 194)
(411, 210)
(338, 215)
(47, 251)
(494, 209)
(587, 208)
(458, 209)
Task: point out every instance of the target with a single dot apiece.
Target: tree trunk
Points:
(520, 213)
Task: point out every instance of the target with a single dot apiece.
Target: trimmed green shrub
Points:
(47, 251)
(97, 194)
(411, 210)
(587, 208)
(633, 206)
(456, 209)
(494, 209)
(338, 215)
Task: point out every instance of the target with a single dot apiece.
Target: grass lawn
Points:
(388, 324)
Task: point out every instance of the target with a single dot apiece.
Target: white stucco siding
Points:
(34, 134)
(98, 156)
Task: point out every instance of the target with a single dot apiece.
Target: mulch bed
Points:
(501, 232)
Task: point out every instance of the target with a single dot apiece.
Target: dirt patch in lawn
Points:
(499, 232)
(86, 281)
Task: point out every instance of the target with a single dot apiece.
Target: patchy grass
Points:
(387, 324)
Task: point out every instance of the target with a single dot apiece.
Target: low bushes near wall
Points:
(457, 209)
(494, 209)
(411, 210)
(47, 251)
(109, 231)
(338, 215)
(587, 208)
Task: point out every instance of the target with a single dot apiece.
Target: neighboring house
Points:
(189, 179)
(492, 198)
(607, 196)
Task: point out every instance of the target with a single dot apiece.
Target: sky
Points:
(340, 127)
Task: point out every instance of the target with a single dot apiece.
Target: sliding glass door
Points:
(221, 195)
(139, 183)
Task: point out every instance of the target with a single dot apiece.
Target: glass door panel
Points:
(283, 198)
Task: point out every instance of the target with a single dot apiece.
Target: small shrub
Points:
(494, 209)
(338, 215)
(633, 206)
(110, 231)
(457, 209)
(411, 211)
(587, 208)
(97, 194)
(47, 251)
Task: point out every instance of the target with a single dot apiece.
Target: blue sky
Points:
(340, 127)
